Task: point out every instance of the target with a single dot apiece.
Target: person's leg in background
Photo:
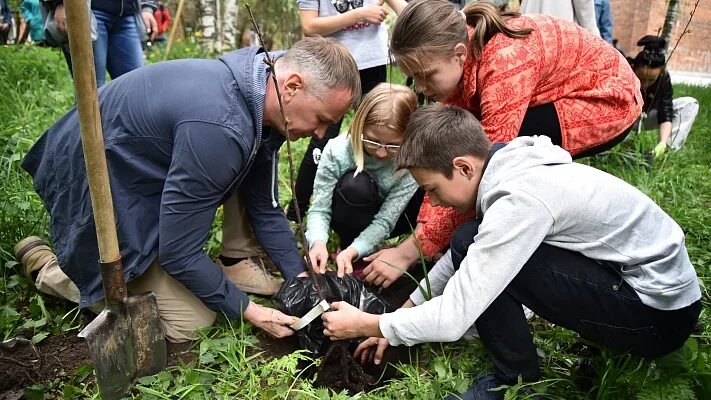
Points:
(100, 45)
(124, 53)
(369, 78)
(104, 25)
(240, 252)
(577, 293)
(685, 110)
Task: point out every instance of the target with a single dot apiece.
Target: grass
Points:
(37, 90)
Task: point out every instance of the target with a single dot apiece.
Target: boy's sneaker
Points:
(481, 390)
(34, 254)
(251, 276)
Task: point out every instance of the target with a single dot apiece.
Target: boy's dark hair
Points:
(437, 134)
(653, 53)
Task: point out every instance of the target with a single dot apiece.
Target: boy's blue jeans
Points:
(575, 292)
(117, 48)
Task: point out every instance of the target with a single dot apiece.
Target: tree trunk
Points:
(670, 21)
(207, 23)
(229, 24)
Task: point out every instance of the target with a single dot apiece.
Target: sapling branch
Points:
(292, 181)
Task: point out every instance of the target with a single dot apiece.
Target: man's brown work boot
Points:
(40, 265)
(34, 254)
(251, 276)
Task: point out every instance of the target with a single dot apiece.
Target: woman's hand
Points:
(344, 261)
(319, 256)
(346, 322)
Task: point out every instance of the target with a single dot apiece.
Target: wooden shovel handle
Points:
(92, 137)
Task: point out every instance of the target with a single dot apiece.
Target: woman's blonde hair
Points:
(435, 27)
(387, 105)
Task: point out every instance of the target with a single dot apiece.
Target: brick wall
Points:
(636, 18)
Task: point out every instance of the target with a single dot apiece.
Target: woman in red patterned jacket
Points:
(520, 76)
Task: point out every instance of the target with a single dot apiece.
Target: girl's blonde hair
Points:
(387, 105)
(435, 27)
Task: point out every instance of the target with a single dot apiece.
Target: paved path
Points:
(690, 78)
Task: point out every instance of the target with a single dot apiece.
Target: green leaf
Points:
(35, 392)
(39, 337)
(8, 312)
(440, 369)
(34, 324)
(147, 380)
(83, 372)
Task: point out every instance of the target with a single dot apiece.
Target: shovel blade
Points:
(111, 348)
(150, 350)
(126, 342)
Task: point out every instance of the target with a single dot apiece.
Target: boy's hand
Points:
(371, 350)
(346, 322)
(344, 261)
(319, 256)
(382, 270)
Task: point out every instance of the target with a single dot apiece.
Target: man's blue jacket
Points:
(180, 137)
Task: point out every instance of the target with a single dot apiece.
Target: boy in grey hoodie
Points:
(579, 247)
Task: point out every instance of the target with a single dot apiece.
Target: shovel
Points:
(126, 340)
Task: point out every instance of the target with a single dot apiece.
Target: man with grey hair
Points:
(213, 133)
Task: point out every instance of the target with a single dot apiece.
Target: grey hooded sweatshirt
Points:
(532, 193)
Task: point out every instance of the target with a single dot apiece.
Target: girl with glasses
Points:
(358, 192)
(358, 25)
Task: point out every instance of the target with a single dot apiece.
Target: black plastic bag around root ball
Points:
(298, 296)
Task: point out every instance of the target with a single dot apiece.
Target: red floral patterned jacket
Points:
(591, 85)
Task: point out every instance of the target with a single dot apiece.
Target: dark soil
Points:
(339, 371)
(23, 365)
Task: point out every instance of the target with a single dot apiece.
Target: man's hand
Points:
(371, 350)
(151, 25)
(272, 321)
(374, 13)
(346, 321)
(60, 18)
(344, 261)
(319, 256)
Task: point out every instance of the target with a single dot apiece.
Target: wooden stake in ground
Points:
(171, 37)
(126, 340)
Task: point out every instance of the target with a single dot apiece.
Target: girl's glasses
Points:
(345, 5)
(371, 145)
